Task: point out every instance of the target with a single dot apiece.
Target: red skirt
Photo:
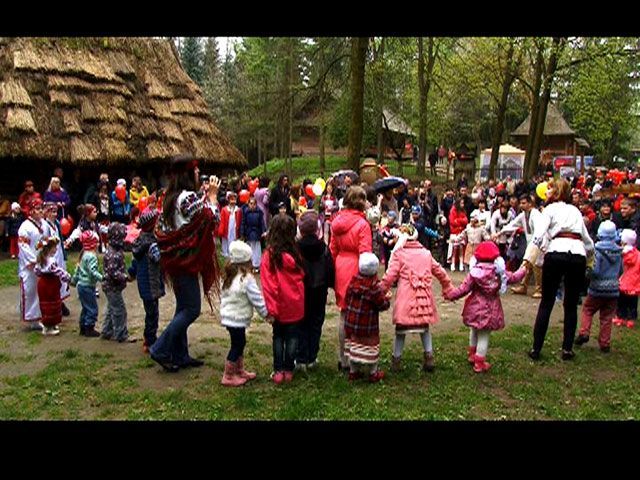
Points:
(364, 349)
(50, 303)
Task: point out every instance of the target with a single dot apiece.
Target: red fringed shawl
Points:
(191, 250)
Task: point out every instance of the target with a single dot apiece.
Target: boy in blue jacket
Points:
(146, 269)
(604, 287)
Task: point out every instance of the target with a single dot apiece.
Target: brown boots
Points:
(429, 364)
(395, 364)
(537, 273)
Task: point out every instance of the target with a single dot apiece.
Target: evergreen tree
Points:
(213, 86)
(192, 57)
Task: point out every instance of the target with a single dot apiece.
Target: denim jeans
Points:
(172, 346)
(151, 315)
(238, 341)
(285, 345)
(115, 320)
(89, 312)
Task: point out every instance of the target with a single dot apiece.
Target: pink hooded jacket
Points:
(483, 309)
(413, 267)
(350, 236)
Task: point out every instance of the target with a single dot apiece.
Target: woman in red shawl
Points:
(187, 251)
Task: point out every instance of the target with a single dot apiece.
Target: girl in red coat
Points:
(629, 281)
(282, 278)
(230, 221)
(457, 223)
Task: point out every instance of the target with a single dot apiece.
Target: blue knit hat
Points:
(416, 209)
(607, 231)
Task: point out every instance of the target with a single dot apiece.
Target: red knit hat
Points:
(487, 252)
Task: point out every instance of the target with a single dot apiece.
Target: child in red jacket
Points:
(230, 221)
(282, 278)
(629, 281)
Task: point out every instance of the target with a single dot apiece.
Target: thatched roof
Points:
(555, 124)
(396, 124)
(97, 100)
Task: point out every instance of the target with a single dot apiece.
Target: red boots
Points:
(480, 365)
(472, 355)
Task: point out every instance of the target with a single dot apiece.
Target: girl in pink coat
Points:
(350, 236)
(414, 309)
(482, 311)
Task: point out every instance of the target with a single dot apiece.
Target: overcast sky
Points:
(223, 42)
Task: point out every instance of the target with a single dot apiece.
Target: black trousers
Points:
(558, 266)
(628, 307)
(238, 341)
(310, 329)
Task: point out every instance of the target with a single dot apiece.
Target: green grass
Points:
(309, 167)
(9, 268)
(594, 386)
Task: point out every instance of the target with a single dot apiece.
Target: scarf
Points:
(191, 250)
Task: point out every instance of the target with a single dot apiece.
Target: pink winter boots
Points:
(235, 375)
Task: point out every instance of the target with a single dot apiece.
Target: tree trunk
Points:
(530, 164)
(380, 101)
(501, 111)
(358, 57)
(544, 102)
(424, 85)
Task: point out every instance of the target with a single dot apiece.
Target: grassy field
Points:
(309, 167)
(75, 384)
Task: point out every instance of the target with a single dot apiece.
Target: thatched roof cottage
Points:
(120, 104)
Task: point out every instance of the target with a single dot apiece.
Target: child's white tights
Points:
(480, 340)
(398, 344)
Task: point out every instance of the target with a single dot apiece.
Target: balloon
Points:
(302, 202)
(309, 191)
(65, 227)
(142, 203)
(121, 193)
(253, 186)
(541, 190)
(322, 183)
(317, 189)
(244, 196)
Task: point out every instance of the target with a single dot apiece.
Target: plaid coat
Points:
(365, 299)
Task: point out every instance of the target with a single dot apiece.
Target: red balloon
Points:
(253, 186)
(142, 204)
(65, 227)
(309, 191)
(302, 202)
(244, 196)
(121, 193)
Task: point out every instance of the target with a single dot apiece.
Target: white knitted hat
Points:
(121, 181)
(628, 237)
(368, 264)
(239, 252)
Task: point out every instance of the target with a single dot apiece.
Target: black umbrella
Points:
(387, 183)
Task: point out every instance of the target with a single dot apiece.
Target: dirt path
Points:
(206, 336)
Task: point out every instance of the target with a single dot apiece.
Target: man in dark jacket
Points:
(319, 277)
(629, 216)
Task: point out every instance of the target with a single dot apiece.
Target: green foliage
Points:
(192, 58)
(599, 94)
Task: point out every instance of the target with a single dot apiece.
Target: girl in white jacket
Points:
(239, 295)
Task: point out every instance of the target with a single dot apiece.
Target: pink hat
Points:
(487, 252)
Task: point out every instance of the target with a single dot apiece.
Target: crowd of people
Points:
(576, 237)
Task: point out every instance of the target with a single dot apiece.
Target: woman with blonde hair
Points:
(56, 194)
(565, 258)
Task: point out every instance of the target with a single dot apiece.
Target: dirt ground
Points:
(207, 338)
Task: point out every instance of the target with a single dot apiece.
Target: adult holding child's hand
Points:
(350, 236)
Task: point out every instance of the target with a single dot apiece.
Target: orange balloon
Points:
(244, 196)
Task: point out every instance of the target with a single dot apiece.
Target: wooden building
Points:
(121, 105)
(558, 139)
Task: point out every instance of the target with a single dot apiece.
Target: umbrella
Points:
(388, 183)
(340, 175)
